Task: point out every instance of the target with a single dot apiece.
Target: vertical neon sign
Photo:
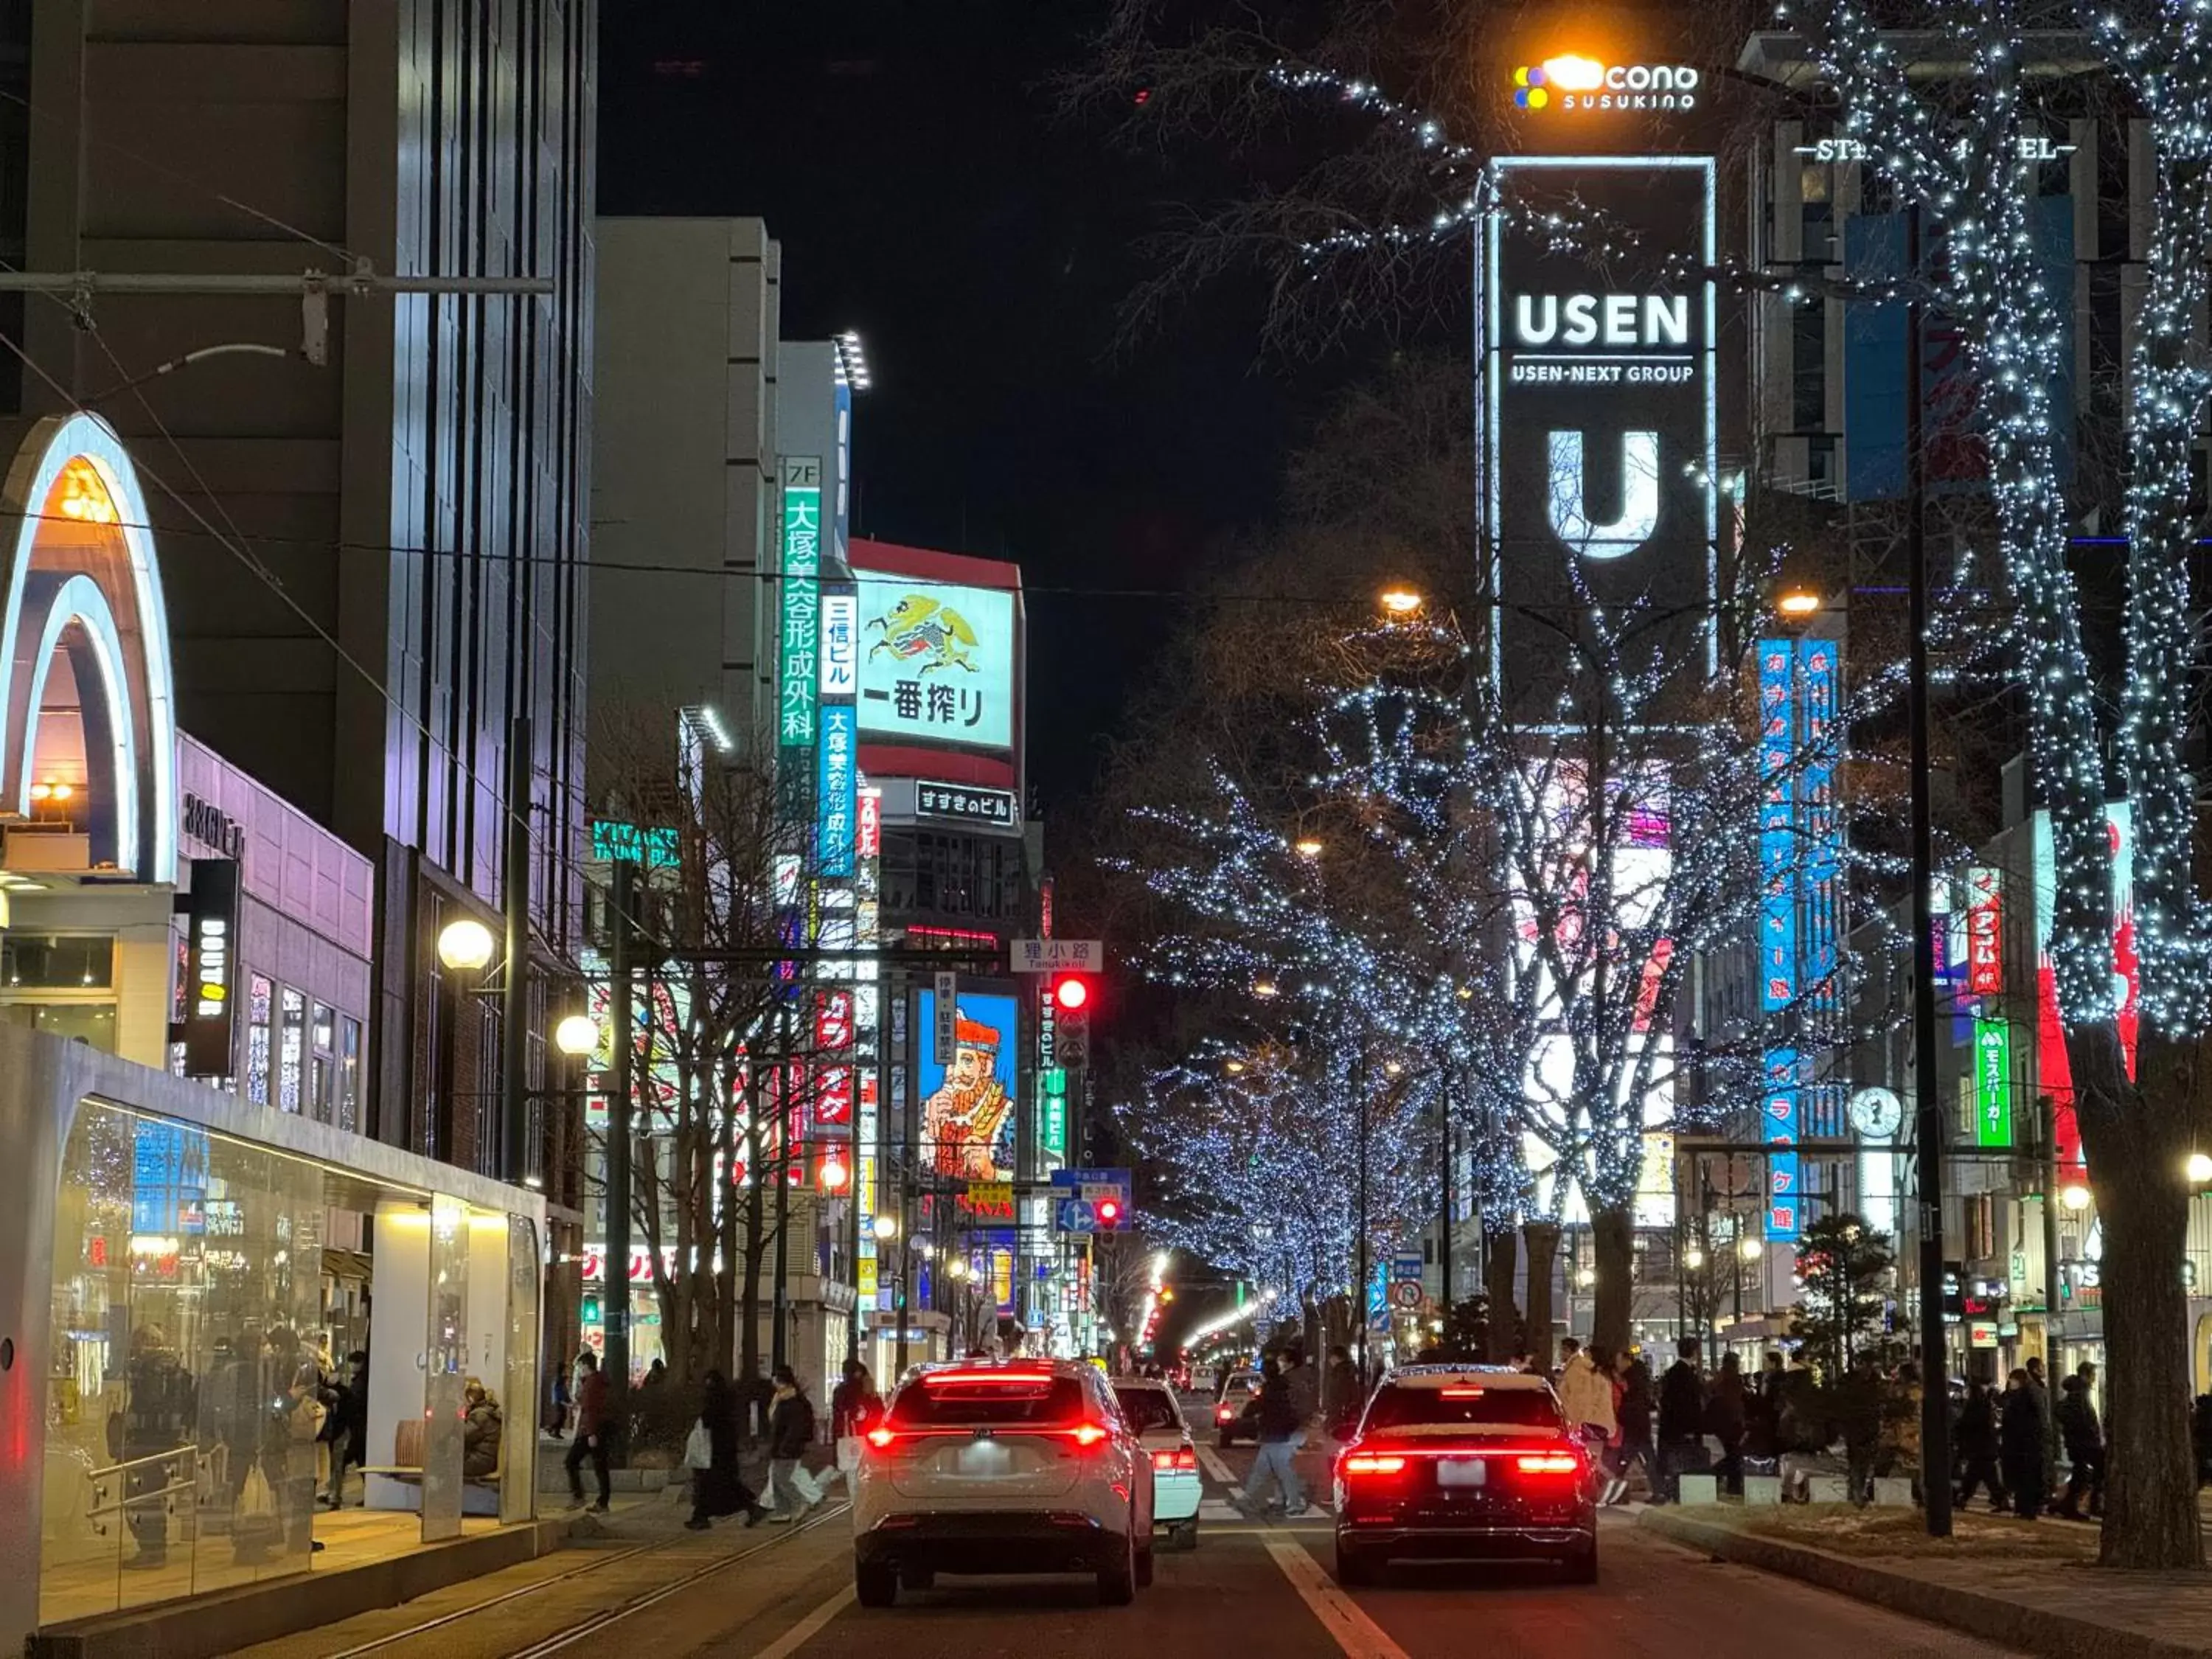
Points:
(799, 644)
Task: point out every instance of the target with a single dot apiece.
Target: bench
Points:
(479, 1492)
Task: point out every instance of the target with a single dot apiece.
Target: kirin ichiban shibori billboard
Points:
(937, 663)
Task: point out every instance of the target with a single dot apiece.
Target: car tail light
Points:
(1184, 1459)
(1549, 1463)
(1226, 1414)
(1086, 1434)
(1373, 1463)
(880, 1437)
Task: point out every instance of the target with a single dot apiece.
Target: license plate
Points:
(984, 1457)
(1461, 1471)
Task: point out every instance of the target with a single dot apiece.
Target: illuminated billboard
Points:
(937, 663)
(968, 1107)
(1599, 436)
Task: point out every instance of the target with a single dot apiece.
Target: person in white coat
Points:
(1586, 1398)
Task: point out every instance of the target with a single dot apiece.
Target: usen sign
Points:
(1573, 83)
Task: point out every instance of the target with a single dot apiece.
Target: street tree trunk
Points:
(1500, 1256)
(1543, 1251)
(1613, 1246)
(2136, 1139)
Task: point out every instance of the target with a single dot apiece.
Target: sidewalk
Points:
(2028, 1584)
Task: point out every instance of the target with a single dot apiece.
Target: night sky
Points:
(927, 193)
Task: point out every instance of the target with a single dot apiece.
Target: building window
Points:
(259, 996)
(322, 1093)
(57, 962)
(291, 1049)
(1808, 364)
(350, 1074)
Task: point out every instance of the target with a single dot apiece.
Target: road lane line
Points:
(807, 1628)
(1360, 1636)
(1212, 1462)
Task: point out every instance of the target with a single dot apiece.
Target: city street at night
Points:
(1247, 1589)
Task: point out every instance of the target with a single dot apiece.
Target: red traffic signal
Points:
(1109, 1211)
(1071, 993)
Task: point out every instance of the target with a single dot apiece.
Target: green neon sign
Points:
(1992, 1082)
(654, 848)
(1055, 1132)
(799, 648)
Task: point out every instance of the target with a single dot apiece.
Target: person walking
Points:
(719, 1489)
(790, 1432)
(2084, 1439)
(1900, 1428)
(1727, 1420)
(1342, 1399)
(1681, 1419)
(1981, 1450)
(1586, 1399)
(1279, 1428)
(1859, 1405)
(1633, 1414)
(2020, 1446)
(591, 1431)
(2038, 1388)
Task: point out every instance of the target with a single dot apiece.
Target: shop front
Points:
(166, 1310)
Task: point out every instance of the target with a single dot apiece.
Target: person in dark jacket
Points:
(592, 1429)
(854, 1405)
(1980, 1449)
(1342, 1399)
(1279, 1422)
(718, 1489)
(481, 1428)
(790, 1432)
(2200, 1438)
(2084, 1439)
(1632, 1412)
(2020, 1445)
(1681, 1420)
(1859, 1405)
(1728, 1418)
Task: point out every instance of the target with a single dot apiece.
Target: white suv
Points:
(991, 1467)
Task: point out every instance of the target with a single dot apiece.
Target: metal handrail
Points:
(121, 1504)
(175, 1451)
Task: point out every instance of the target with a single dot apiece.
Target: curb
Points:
(2040, 1630)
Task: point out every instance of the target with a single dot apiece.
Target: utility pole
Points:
(1359, 1291)
(778, 1340)
(622, 1013)
(1928, 1105)
(1444, 1194)
(514, 1016)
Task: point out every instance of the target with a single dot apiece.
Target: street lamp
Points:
(1263, 988)
(576, 1036)
(886, 1226)
(1694, 1258)
(1399, 600)
(2074, 1196)
(1750, 1249)
(1307, 848)
(2199, 1168)
(465, 945)
(1797, 603)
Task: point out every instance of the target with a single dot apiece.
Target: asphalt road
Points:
(1249, 1591)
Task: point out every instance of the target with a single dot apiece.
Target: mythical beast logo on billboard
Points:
(1599, 435)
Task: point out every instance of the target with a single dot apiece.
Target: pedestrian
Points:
(2020, 1445)
(790, 1432)
(1586, 1398)
(1305, 1381)
(1981, 1448)
(592, 1430)
(719, 1489)
(1762, 1432)
(1632, 1412)
(481, 1428)
(1859, 1405)
(1342, 1399)
(854, 1405)
(2038, 1388)
(1681, 1420)
(1900, 1427)
(1279, 1426)
(2084, 1440)
(1728, 1418)
(560, 1402)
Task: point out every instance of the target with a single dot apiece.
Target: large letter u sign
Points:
(1640, 496)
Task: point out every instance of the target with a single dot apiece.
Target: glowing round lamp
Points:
(2074, 1196)
(1399, 601)
(834, 1174)
(886, 1227)
(1694, 1258)
(1071, 994)
(1750, 1249)
(2199, 1167)
(465, 945)
(576, 1036)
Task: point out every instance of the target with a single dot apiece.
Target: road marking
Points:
(1360, 1636)
(807, 1628)
(1212, 1462)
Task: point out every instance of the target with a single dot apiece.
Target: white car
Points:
(1002, 1465)
(1238, 1390)
(1155, 1412)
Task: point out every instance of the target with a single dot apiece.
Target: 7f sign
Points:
(1599, 434)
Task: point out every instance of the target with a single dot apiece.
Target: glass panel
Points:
(349, 1075)
(518, 1487)
(183, 1404)
(50, 962)
(93, 1023)
(291, 1049)
(448, 1351)
(258, 995)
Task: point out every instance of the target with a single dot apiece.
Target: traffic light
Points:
(1109, 1213)
(1071, 1001)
